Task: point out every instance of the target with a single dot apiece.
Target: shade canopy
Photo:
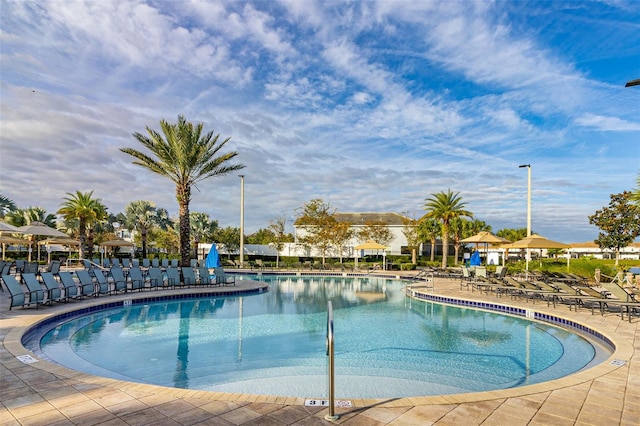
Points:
(60, 241)
(116, 243)
(485, 237)
(370, 245)
(536, 241)
(5, 227)
(39, 228)
(7, 239)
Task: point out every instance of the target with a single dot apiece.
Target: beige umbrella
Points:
(536, 241)
(485, 238)
(39, 228)
(115, 243)
(58, 241)
(7, 239)
(368, 245)
(5, 227)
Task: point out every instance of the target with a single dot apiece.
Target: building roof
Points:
(361, 219)
(389, 219)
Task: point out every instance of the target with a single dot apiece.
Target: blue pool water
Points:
(386, 345)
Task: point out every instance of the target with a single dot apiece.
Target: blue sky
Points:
(371, 106)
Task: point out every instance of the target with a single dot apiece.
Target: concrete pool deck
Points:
(43, 393)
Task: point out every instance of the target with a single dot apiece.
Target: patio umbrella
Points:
(213, 258)
(485, 238)
(536, 241)
(7, 239)
(5, 227)
(368, 245)
(58, 241)
(39, 228)
(115, 243)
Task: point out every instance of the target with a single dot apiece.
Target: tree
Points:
(339, 235)
(445, 206)
(376, 231)
(318, 219)
(635, 196)
(202, 229)
(141, 216)
(87, 210)
(6, 205)
(619, 223)
(277, 228)
(429, 230)
(513, 234)
(229, 237)
(261, 236)
(411, 232)
(21, 217)
(186, 156)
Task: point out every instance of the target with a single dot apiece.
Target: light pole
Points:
(241, 220)
(528, 166)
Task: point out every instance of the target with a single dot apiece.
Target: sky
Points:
(370, 106)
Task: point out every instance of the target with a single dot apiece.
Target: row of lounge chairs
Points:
(127, 263)
(558, 288)
(48, 287)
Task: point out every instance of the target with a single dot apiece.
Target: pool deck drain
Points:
(43, 393)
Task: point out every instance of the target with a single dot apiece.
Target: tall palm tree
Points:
(444, 206)
(141, 216)
(87, 210)
(186, 156)
(21, 217)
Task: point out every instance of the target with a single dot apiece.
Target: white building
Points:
(394, 222)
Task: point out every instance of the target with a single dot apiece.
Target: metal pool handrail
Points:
(330, 353)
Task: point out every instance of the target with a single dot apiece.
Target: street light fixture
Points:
(241, 220)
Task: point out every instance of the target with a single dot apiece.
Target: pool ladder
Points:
(332, 416)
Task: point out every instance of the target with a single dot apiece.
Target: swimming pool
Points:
(387, 345)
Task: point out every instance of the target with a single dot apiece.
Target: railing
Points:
(330, 349)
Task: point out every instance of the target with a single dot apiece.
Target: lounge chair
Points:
(173, 277)
(136, 279)
(87, 286)
(174, 263)
(164, 263)
(155, 262)
(194, 263)
(146, 263)
(204, 278)
(118, 279)
(135, 263)
(54, 292)
(70, 286)
(102, 285)
(115, 262)
(126, 263)
(618, 292)
(35, 287)
(19, 297)
(156, 279)
(222, 278)
(188, 276)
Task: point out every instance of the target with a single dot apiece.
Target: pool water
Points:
(274, 343)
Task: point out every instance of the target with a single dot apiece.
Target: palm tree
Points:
(186, 157)
(6, 205)
(21, 217)
(86, 210)
(202, 228)
(141, 216)
(429, 230)
(444, 206)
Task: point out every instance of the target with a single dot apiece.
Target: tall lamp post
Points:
(241, 220)
(528, 166)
